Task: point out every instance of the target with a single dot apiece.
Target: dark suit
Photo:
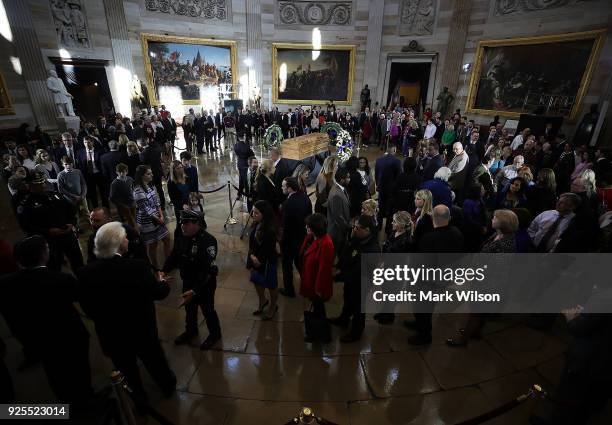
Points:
(432, 165)
(219, 124)
(266, 191)
(191, 178)
(349, 264)
(38, 307)
(61, 152)
(118, 294)
(584, 384)
(169, 129)
(446, 239)
(92, 172)
(109, 161)
(243, 153)
(136, 248)
(281, 170)
(295, 209)
(151, 155)
(387, 169)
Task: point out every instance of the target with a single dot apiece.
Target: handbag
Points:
(316, 327)
(259, 278)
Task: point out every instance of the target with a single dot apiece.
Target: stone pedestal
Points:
(67, 123)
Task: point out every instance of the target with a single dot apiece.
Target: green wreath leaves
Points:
(333, 129)
(273, 137)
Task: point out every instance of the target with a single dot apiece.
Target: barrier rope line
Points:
(213, 190)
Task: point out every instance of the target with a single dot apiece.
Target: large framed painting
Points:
(6, 106)
(189, 64)
(547, 75)
(303, 75)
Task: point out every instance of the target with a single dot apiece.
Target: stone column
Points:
(123, 67)
(457, 37)
(372, 59)
(254, 44)
(118, 30)
(27, 47)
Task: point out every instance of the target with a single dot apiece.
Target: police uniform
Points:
(195, 258)
(38, 213)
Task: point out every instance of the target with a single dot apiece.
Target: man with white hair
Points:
(439, 187)
(459, 168)
(509, 171)
(118, 293)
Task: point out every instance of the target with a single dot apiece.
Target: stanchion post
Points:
(230, 218)
(121, 388)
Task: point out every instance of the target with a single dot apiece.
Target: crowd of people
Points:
(460, 187)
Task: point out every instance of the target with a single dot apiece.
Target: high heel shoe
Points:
(270, 316)
(261, 309)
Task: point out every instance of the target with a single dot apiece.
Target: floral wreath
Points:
(333, 129)
(344, 145)
(273, 137)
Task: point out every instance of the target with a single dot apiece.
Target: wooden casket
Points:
(305, 146)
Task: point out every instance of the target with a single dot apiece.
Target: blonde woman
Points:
(584, 186)
(301, 173)
(122, 141)
(45, 166)
(133, 158)
(324, 183)
(370, 207)
(266, 189)
(398, 242)
(423, 223)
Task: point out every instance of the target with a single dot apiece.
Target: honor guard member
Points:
(194, 255)
(46, 214)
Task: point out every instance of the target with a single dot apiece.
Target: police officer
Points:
(46, 214)
(194, 254)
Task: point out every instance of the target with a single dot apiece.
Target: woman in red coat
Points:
(316, 260)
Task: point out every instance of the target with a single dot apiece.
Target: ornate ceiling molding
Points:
(509, 7)
(211, 10)
(322, 12)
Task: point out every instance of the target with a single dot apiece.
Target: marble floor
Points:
(263, 372)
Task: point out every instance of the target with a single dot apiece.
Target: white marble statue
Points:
(61, 97)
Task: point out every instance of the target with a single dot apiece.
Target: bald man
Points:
(444, 238)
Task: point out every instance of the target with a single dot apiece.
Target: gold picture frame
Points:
(475, 103)
(308, 47)
(6, 104)
(204, 42)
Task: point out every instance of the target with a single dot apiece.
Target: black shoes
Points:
(261, 309)
(185, 337)
(210, 342)
(285, 293)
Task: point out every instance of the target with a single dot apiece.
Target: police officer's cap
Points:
(193, 216)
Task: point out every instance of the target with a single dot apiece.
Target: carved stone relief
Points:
(206, 9)
(508, 7)
(417, 17)
(70, 23)
(298, 12)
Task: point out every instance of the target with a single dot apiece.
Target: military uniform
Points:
(195, 258)
(38, 213)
